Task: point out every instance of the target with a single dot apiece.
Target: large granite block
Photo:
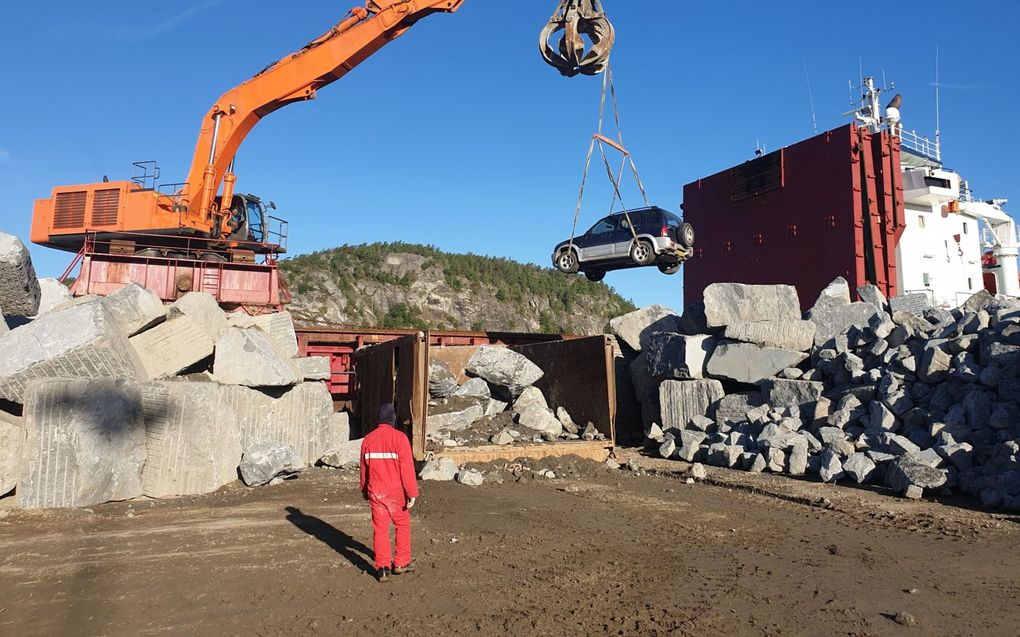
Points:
(731, 303)
(80, 341)
(85, 443)
(172, 346)
(192, 438)
(681, 400)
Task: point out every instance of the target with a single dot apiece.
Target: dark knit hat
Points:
(387, 414)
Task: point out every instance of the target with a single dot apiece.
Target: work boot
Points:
(400, 570)
(383, 575)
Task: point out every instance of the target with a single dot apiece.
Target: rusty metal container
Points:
(579, 376)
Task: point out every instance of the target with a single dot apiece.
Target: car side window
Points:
(603, 227)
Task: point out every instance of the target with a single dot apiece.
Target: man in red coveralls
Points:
(389, 484)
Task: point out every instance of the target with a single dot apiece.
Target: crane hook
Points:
(577, 19)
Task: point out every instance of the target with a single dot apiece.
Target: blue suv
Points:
(658, 238)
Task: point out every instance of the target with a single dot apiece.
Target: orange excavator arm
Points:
(295, 78)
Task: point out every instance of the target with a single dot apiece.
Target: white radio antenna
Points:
(811, 97)
(938, 102)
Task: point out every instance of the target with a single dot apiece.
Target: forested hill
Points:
(415, 286)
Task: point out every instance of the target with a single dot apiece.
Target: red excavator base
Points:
(237, 277)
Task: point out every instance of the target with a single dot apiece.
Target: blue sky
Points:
(458, 134)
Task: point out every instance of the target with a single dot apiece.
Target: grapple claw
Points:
(577, 19)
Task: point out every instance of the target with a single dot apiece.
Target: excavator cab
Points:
(248, 220)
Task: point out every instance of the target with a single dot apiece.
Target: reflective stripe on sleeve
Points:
(381, 456)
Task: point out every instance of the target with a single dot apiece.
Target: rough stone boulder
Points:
(263, 461)
(346, 456)
(541, 420)
(12, 439)
(81, 341)
(793, 334)
(681, 400)
(833, 314)
(314, 367)
(470, 477)
(204, 310)
(733, 407)
(301, 417)
(935, 365)
(780, 393)
(529, 397)
(731, 303)
(678, 356)
(911, 470)
(636, 328)
(278, 326)
(172, 346)
(504, 368)
(135, 308)
(747, 363)
(474, 388)
(460, 415)
(192, 440)
(246, 356)
(4, 328)
(441, 469)
(442, 382)
(53, 294)
(19, 288)
(85, 443)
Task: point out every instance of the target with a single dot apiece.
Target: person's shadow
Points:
(354, 551)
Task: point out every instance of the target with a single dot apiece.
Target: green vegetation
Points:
(526, 294)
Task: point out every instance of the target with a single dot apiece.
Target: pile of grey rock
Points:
(499, 404)
(113, 398)
(881, 392)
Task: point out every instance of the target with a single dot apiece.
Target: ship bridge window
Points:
(965, 228)
(936, 182)
(927, 279)
(920, 221)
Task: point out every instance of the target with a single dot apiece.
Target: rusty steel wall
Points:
(395, 371)
(579, 376)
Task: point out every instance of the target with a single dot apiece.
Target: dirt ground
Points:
(595, 552)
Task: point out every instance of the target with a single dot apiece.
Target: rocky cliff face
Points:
(404, 285)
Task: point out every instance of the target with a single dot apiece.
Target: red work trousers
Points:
(383, 515)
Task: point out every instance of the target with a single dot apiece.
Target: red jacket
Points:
(387, 466)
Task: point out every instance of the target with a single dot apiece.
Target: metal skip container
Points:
(578, 376)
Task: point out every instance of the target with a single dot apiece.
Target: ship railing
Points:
(919, 145)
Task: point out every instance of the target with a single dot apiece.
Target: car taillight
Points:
(664, 232)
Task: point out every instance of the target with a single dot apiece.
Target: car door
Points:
(624, 237)
(599, 240)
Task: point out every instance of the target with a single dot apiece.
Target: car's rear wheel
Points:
(685, 235)
(669, 268)
(566, 262)
(642, 252)
(595, 275)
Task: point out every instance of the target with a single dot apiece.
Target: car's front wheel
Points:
(595, 275)
(642, 252)
(669, 268)
(566, 262)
